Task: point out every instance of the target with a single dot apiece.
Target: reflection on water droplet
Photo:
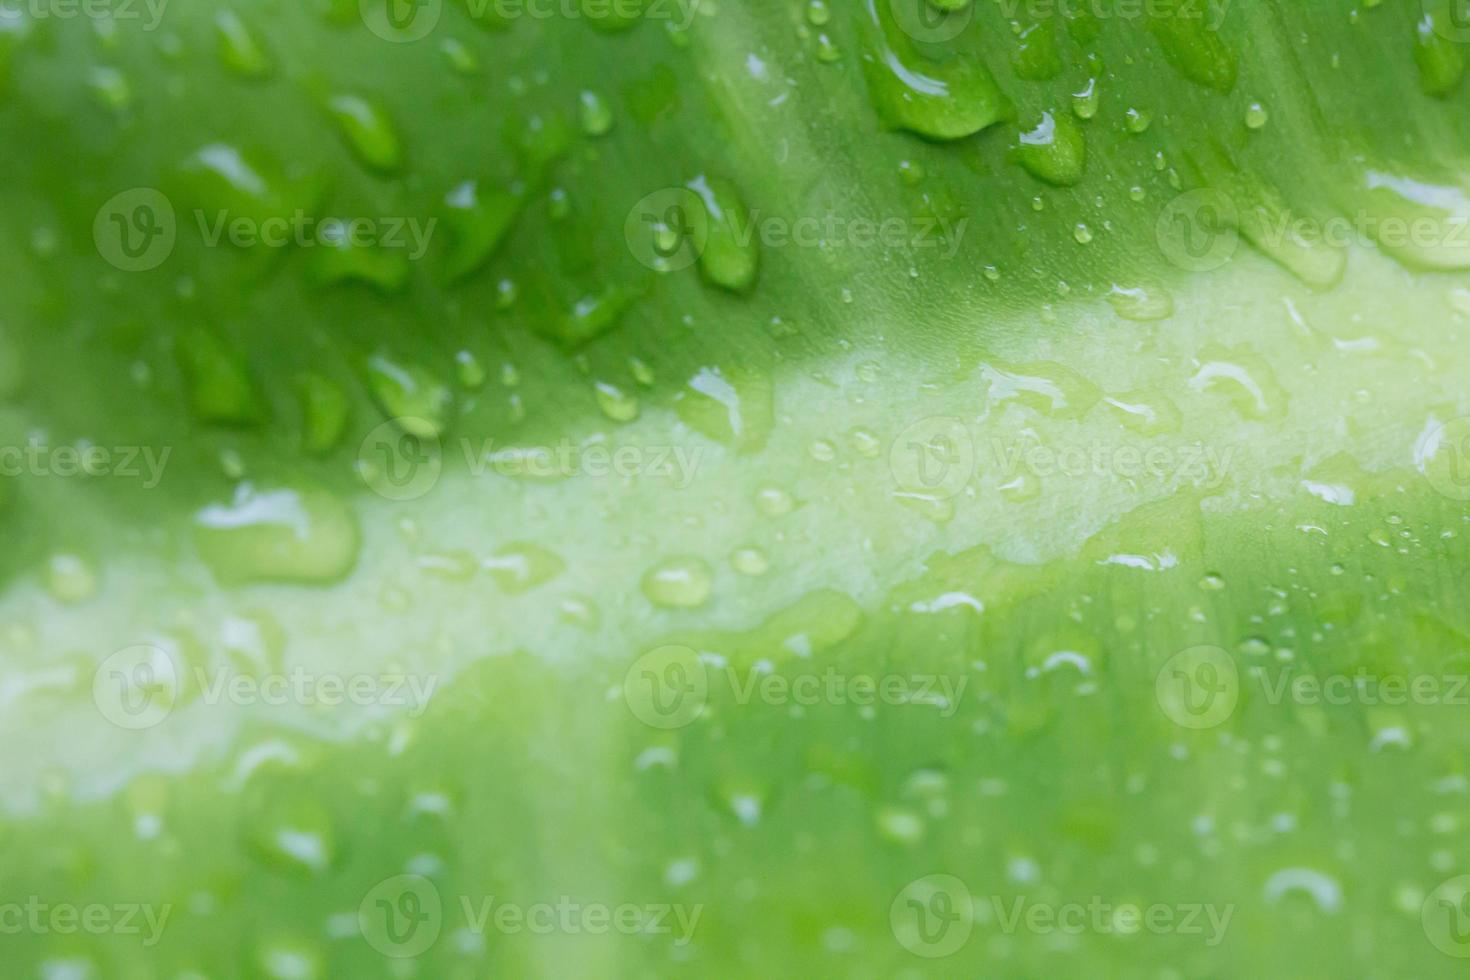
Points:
(679, 583)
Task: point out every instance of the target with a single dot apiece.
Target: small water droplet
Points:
(679, 583)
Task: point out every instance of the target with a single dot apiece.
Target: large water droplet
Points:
(679, 583)
(278, 534)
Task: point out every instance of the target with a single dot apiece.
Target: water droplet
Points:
(278, 534)
(469, 369)
(411, 395)
(1245, 379)
(1196, 51)
(1084, 102)
(239, 48)
(773, 501)
(1037, 58)
(616, 404)
(866, 443)
(457, 565)
(324, 412)
(900, 826)
(1054, 150)
(750, 561)
(460, 57)
(1138, 121)
(110, 86)
(368, 131)
(594, 113)
(679, 583)
(70, 578)
(289, 959)
(730, 256)
(642, 373)
(219, 389)
(477, 220)
(1141, 302)
(1256, 116)
(290, 829)
(579, 611)
(1441, 65)
(941, 100)
(1146, 412)
(733, 407)
(521, 567)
